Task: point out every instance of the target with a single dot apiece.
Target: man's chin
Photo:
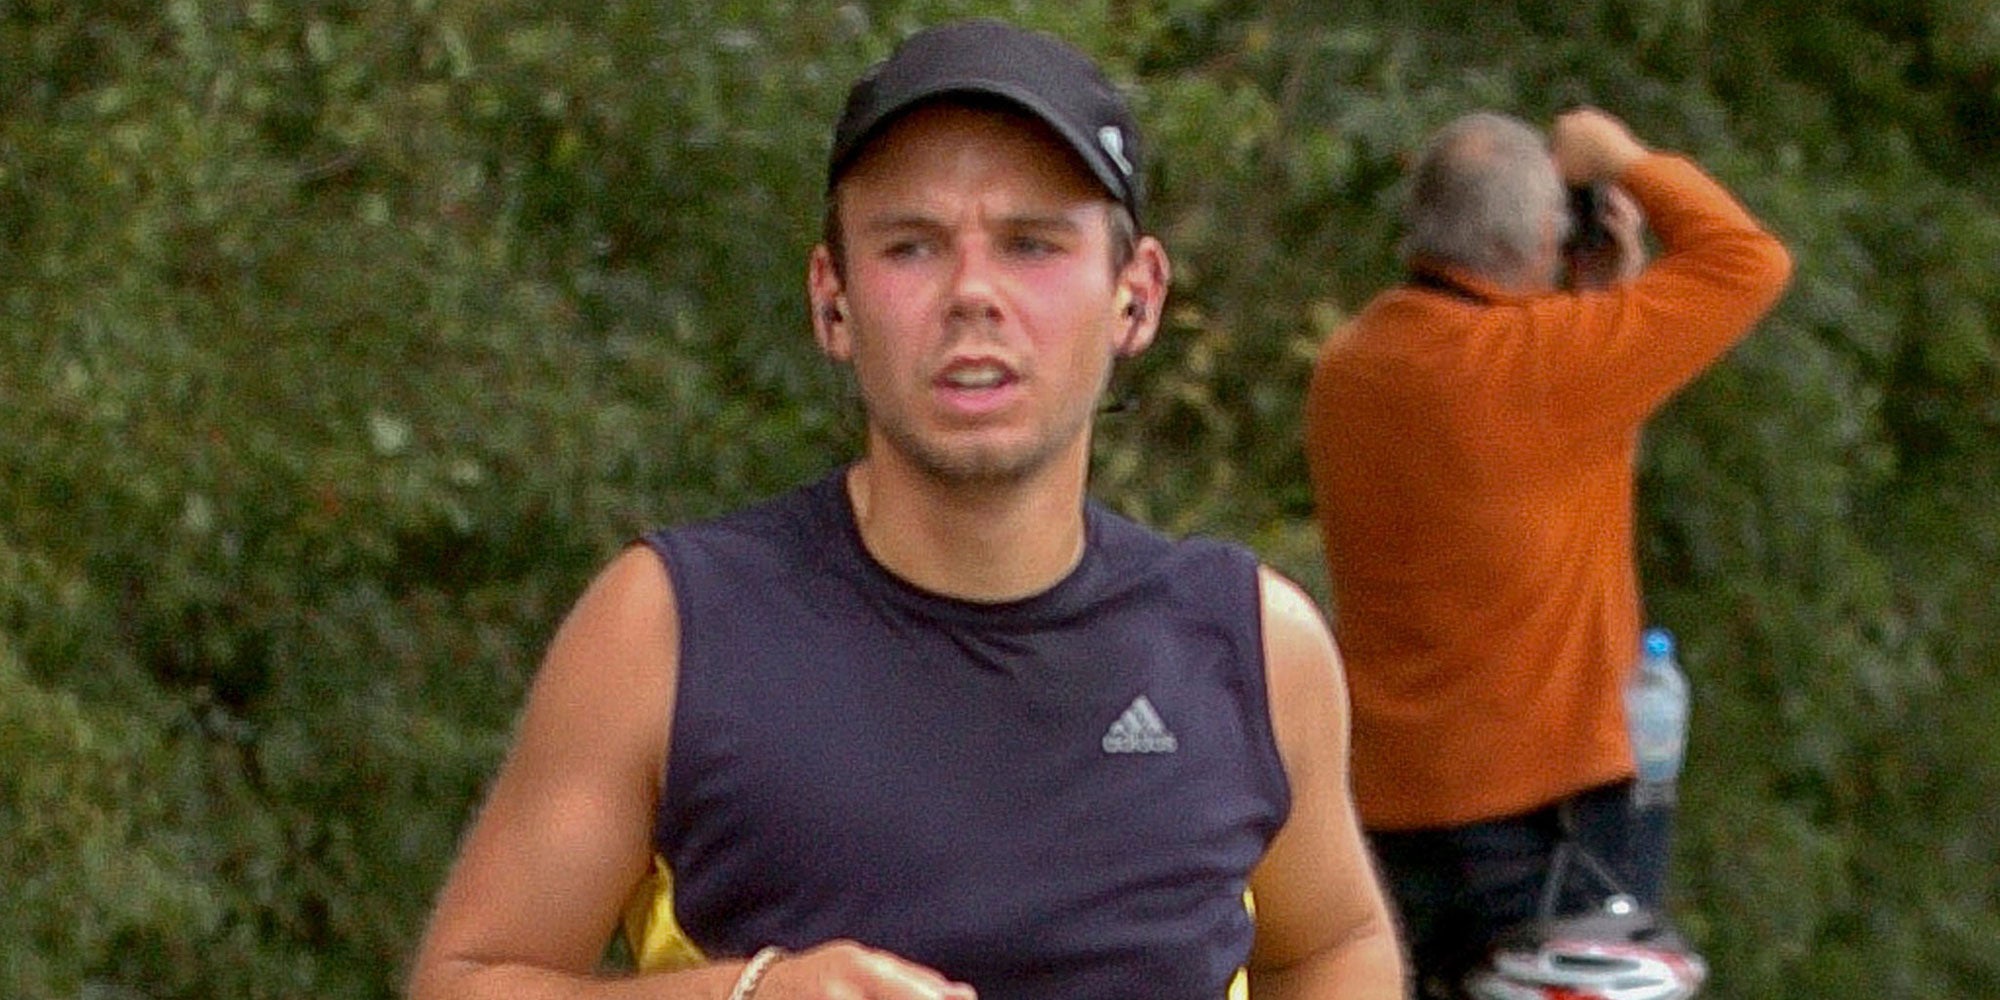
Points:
(983, 463)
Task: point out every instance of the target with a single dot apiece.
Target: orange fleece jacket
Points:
(1473, 467)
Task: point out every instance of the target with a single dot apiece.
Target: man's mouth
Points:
(975, 375)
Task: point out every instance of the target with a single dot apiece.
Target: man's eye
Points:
(909, 249)
(1032, 246)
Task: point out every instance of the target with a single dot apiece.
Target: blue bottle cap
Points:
(1658, 642)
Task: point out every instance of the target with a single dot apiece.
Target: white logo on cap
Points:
(1113, 142)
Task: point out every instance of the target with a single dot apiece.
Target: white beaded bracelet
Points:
(753, 971)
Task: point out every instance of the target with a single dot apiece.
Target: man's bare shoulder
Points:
(1302, 667)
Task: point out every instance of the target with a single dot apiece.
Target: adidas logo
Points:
(1139, 730)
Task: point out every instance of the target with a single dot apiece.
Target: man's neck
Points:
(976, 542)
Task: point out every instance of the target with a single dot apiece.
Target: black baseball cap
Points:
(1038, 73)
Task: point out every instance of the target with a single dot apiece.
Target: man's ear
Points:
(1142, 292)
(828, 301)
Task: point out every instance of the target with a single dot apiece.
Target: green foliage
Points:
(340, 342)
(86, 874)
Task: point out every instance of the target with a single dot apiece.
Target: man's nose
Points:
(974, 289)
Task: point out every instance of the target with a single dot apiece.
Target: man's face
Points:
(977, 305)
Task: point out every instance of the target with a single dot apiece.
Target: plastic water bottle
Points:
(1656, 708)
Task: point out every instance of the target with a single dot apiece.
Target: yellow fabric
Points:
(658, 944)
(1239, 987)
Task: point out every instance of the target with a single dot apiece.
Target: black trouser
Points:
(1455, 888)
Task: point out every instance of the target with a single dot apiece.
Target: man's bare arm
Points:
(564, 835)
(1323, 925)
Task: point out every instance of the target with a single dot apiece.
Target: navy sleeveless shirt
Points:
(1056, 798)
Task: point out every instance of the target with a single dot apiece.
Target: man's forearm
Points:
(478, 981)
(1364, 967)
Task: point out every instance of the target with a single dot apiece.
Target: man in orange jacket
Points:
(1472, 437)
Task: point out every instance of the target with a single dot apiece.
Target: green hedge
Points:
(340, 342)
